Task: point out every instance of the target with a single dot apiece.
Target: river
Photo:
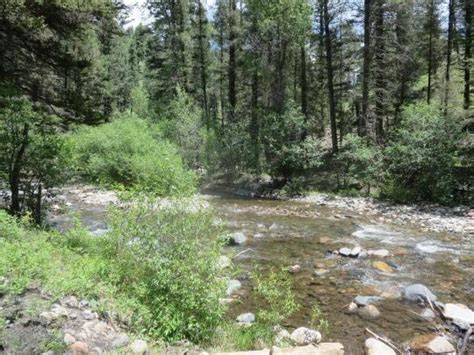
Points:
(285, 233)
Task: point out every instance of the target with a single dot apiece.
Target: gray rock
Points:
(305, 336)
(458, 312)
(282, 336)
(440, 345)
(376, 347)
(237, 238)
(69, 339)
(295, 269)
(88, 314)
(59, 310)
(356, 251)
(428, 314)
(369, 312)
(120, 341)
(224, 262)
(363, 254)
(345, 251)
(232, 286)
(139, 347)
(366, 300)
(381, 253)
(352, 308)
(246, 318)
(418, 292)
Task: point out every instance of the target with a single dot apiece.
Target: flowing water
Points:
(284, 233)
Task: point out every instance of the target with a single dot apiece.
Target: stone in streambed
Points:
(381, 266)
(69, 339)
(366, 300)
(295, 269)
(352, 308)
(319, 349)
(79, 347)
(246, 318)
(427, 314)
(432, 344)
(418, 292)
(305, 336)
(369, 312)
(232, 286)
(376, 347)
(355, 252)
(120, 342)
(381, 253)
(345, 251)
(238, 238)
(458, 312)
(139, 347)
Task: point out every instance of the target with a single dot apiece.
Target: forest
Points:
(279, 100)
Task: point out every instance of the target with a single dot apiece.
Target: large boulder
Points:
(376, 347)
(418, 292)
(305, 336)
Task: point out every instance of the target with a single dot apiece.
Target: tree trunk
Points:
(232, 73)
(366, 70)
(330, 77)
(304, 89)
(467, 53)
(380, 88)
(203, 65)
(15, 171)
(430, 50)
(448, 54)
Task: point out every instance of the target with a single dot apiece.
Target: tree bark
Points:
(467, 53)
(380, 88)
(448, 54)
(430, 50)
(232, 72)
(304, 89)
(15, 172)
(363, 118)
(330, 77)
(203, 65)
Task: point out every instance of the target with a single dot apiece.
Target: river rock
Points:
(418, 292)
(237, 238)
(458, 312)
(282, 336)
(376, 347)
(381, 253)
(428, 314)
(69, 339)
(224, 262)
(432, 344)
(352, 308)
(366, 300)
(381, 266)
(139, 347)
(295, 269)
(369, 312)
(355, 252)
(246, 318)
(305, 336)
(319, 349)
(89, 315)
(345, 251)
(232, 286)
(79, 347)
(324, 240)
(320, 272)
(120, 341)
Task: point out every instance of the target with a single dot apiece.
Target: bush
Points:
(130, 153)
(421, 156)
(286, 150)
(165, 259)
(358, 160)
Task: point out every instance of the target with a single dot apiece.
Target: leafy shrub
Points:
(286, 150)
(421, 156)
(360, 161)
(129, 152)
(165, 259)
(10, 227)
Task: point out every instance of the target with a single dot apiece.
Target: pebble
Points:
(381, 253)
(428, 314)
(139, 347)
(376, 347)
(320, 272)
(345, 251)
(232, 286)
(120, 342)
(237, 238)
(69, 339)
(458, 312)
(295, 269)
(88, 314)
(79, 347)
(246, 318)
(381, 266)
(440, 345)
(366, 300)
(355, 252)
(369, 312)
(224, 262)
(305, 336)
(418, 292)
(352, 308)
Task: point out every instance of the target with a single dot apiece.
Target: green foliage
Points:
(166, 260)
(158, 267)
(421, 156)
(182, 124)
(286, 150)
(129, 153)
(360, 161)
(317, 319)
